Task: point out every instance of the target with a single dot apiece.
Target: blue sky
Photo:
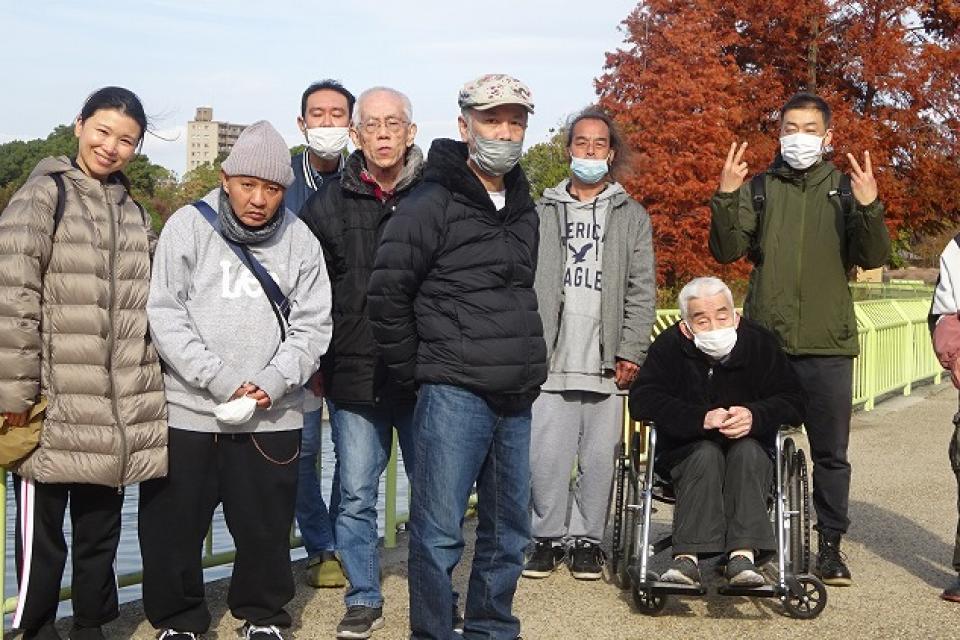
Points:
(251, 60)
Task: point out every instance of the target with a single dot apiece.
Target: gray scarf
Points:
(236, 231)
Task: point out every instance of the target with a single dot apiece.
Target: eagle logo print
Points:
(580, 255)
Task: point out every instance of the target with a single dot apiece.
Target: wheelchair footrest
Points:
(652, 582)
(673, 588)
(763, 591)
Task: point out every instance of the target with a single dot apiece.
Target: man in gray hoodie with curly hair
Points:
(596, 290)
(239, 309)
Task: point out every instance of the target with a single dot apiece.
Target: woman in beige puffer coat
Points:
(73, 330)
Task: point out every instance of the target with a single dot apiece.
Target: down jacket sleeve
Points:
(407, 248)
(26, 229)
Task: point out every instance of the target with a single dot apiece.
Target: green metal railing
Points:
(895, 353)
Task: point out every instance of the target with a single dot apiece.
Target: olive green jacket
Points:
(799, 290)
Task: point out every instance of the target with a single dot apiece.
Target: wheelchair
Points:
(802, 595)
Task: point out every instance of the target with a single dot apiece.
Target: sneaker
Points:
(172, 634)
(682, 571)
(831, 562)
(44, 632)
(250, 631)
(546, 556)
(360, 622)
(86, 633)
(741, 572)
(325, 572)
(952, 593)
(586, 562)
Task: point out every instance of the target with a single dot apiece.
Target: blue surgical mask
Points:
(589, 170)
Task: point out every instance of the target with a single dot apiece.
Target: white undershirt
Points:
(499, 198)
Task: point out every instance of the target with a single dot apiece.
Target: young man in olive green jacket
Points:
(804, 238)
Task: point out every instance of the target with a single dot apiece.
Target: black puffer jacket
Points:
(451, 295)
(348, 219)
(678, 385)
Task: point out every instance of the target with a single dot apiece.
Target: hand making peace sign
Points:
(734, 169)
(862, 180)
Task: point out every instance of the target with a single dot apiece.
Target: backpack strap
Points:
(57, 212)
(278, 302)
(758, 196)
(61, 200)
(845, 191)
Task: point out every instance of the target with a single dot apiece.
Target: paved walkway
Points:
(903, 506)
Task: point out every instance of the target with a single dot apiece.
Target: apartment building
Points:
(207, 138)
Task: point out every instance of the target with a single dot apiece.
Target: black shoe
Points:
(741, 572)
(173, 634)
(45, 632)
(360, 622)
(547, 555)
(250, 631)
(86, 633)
(586, 561)
(682, 571)
(952, 593)
(831, 562)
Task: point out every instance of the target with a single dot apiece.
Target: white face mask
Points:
(801, 150)
(327, 142)
(235, 411)
(717, 343)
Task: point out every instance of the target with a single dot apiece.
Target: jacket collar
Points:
(116, 188)
(447, 166)
(355, 164)
(813, 175)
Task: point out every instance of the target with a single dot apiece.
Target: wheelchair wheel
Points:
(625, 520)
(648, 602)
(625, 552)
(619, 516)
(810, 602)
(798, 501)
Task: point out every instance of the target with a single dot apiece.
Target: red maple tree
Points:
(696, 75)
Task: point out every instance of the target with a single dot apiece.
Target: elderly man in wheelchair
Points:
(718, 388)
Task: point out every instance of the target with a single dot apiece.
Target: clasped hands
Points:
(733, 423)
(255, 392)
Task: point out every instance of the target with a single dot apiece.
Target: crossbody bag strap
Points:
(279, 302)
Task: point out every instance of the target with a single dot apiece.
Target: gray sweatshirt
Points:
(596, 286)
(215, 329)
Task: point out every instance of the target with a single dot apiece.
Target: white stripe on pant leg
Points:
(27, 500)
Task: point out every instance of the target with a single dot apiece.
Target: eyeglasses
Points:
(393, 125)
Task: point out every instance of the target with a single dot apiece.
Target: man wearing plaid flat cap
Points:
(453, 309)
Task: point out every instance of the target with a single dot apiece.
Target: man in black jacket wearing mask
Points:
(453, 309)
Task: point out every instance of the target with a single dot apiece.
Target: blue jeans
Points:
(316, 524)
(462, 441)
(362, 437)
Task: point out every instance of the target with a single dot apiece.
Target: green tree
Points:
(546, 164)
(198, 182)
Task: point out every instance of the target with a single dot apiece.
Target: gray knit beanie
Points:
(261, 152)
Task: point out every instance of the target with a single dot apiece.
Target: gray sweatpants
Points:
(569, 426)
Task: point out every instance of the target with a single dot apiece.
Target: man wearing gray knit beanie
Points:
(239, 309)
